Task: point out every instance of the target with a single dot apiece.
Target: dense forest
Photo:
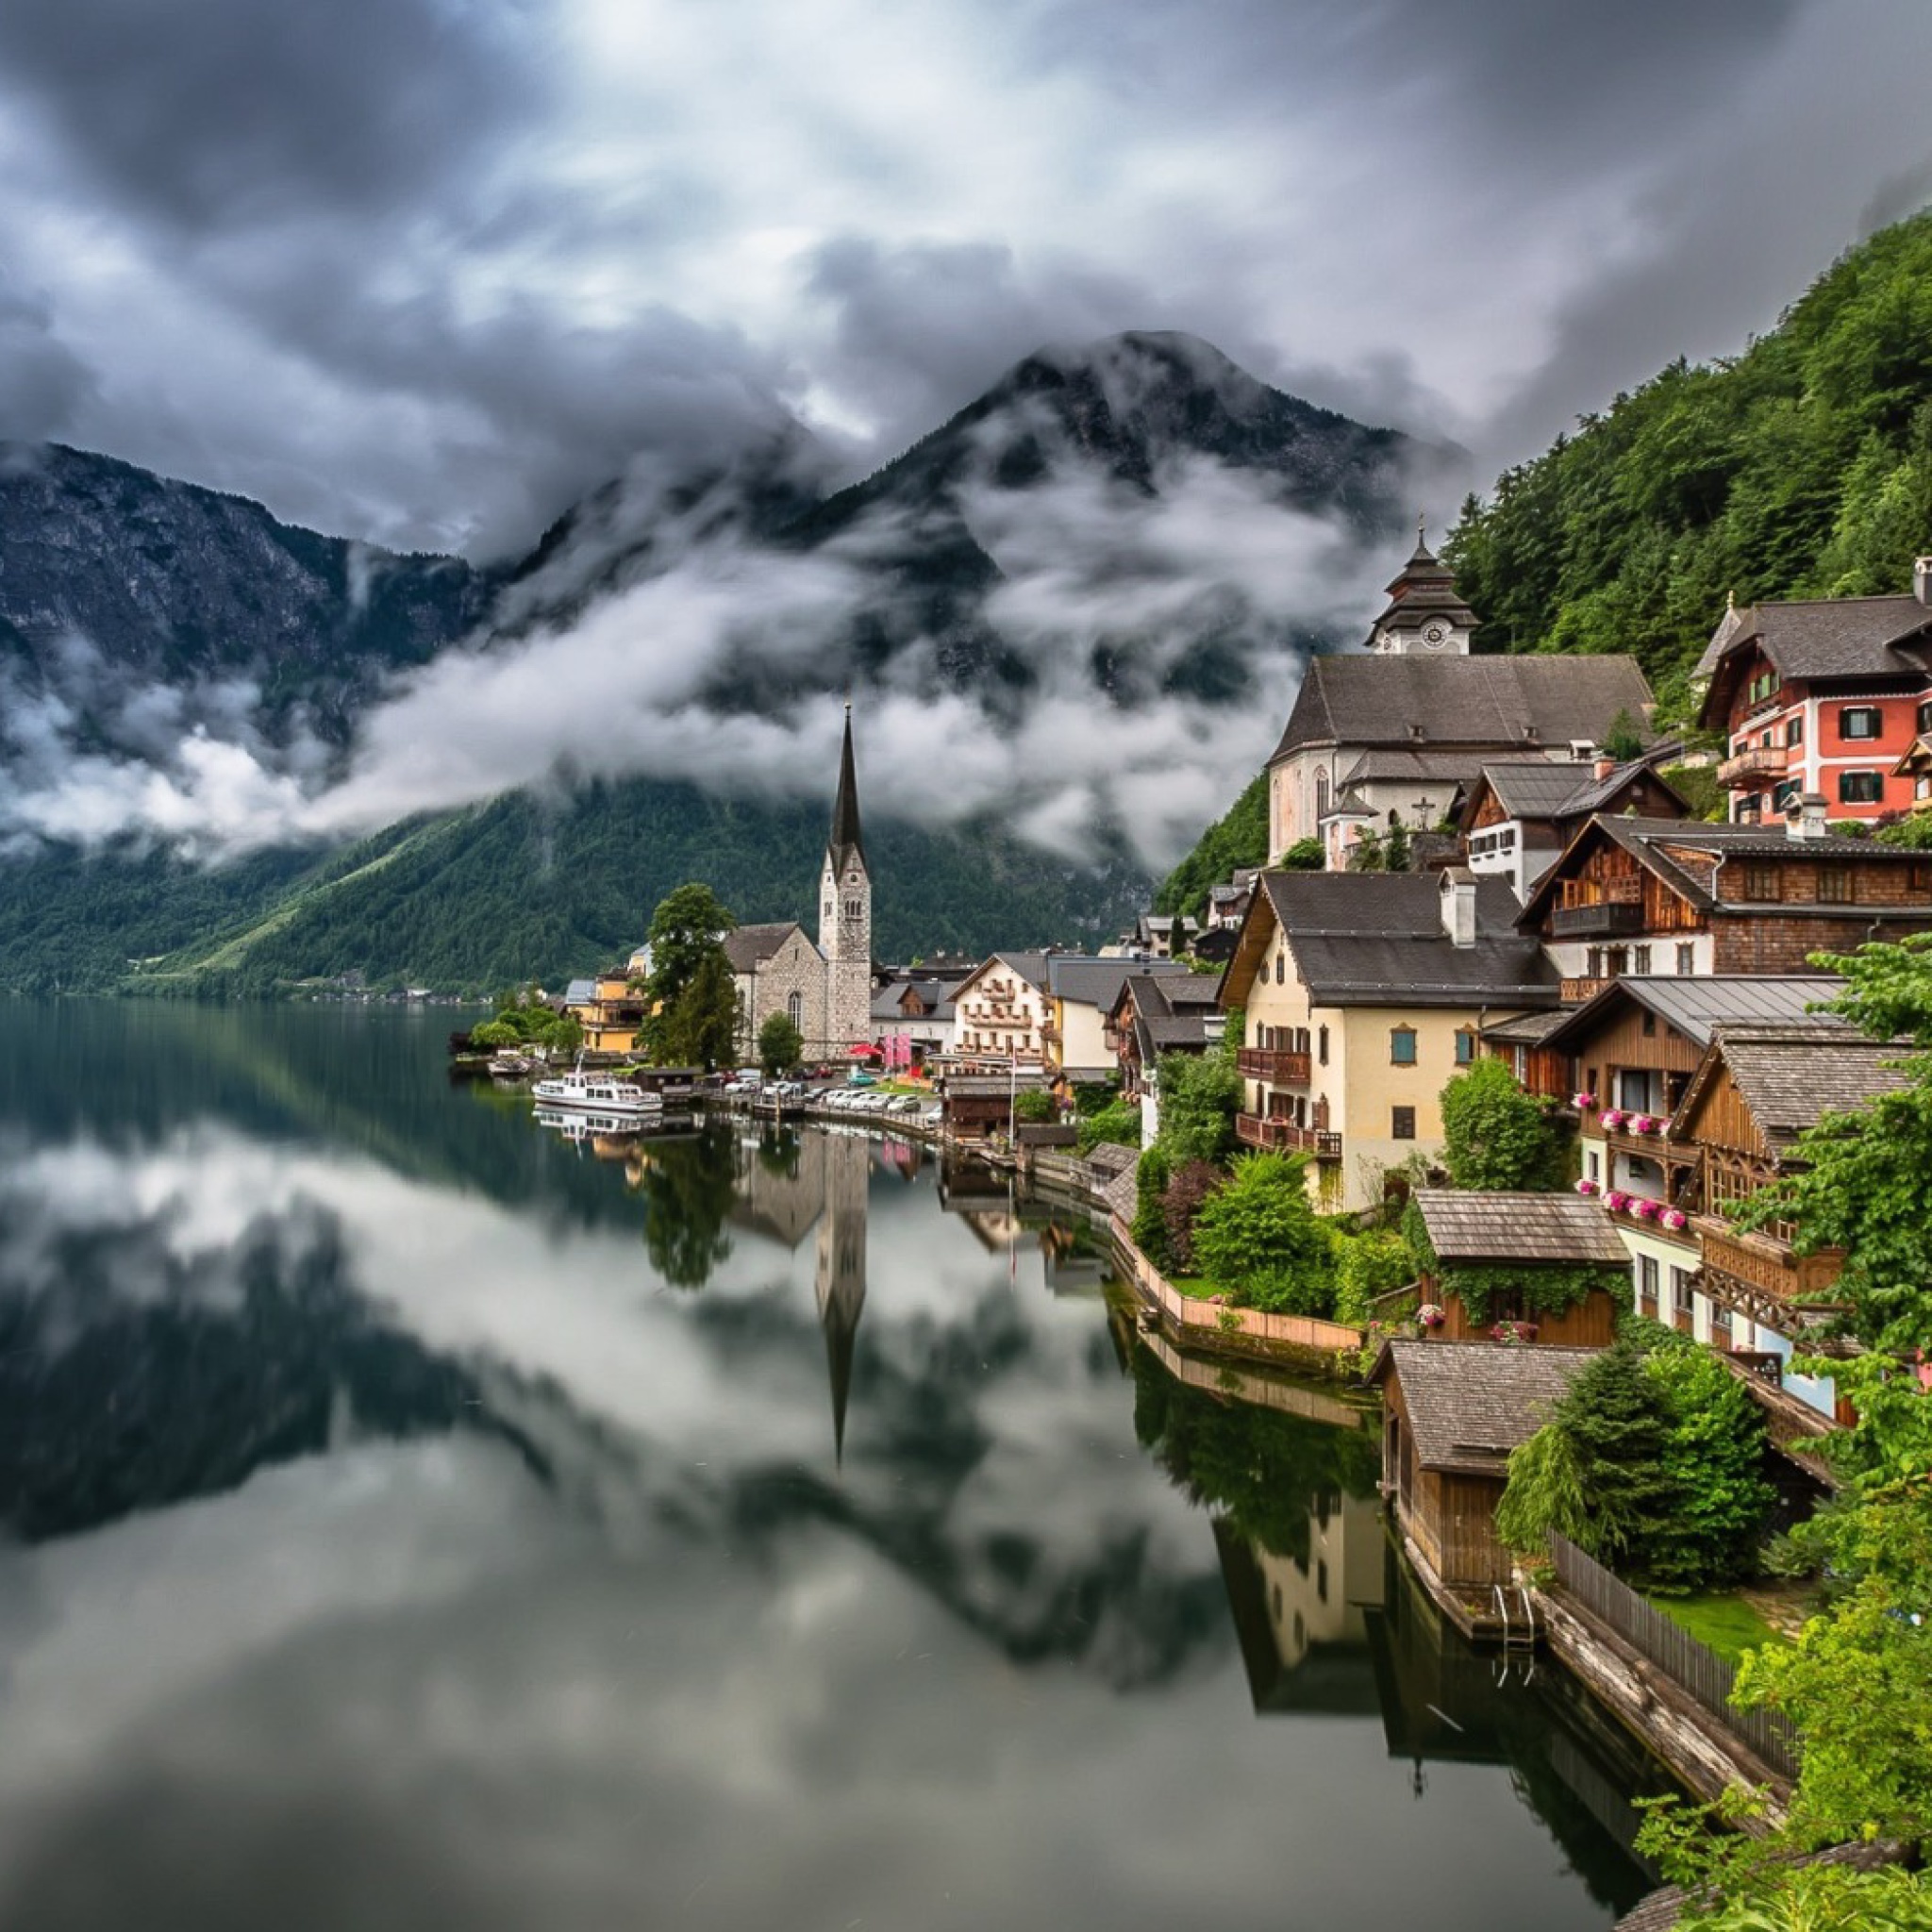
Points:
(519, 888)
(1801, 468)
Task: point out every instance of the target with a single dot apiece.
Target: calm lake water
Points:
(413, 1520)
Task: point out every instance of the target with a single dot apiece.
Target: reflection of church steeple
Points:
(841, 1267)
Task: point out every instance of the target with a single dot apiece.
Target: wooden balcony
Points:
(1609, 918)
(1282, 1068)
(1758, 1276)
(1572, 993)
(1286, 1138)
(1750, 769)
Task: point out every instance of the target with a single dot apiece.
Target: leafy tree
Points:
(1617, 1425)
(1305, 854)
(1624, 740)
(1713, 1459)
(781, 1046)
(1862, 1185)
(1149, 1218)
(692, 1000)
(1194, 1183)
(1035, 1105)
(1495, 1135)
(1259, 1238)
(1200, 1096)
(1118, 1123)
(1547, 1492)
(1367, 1265)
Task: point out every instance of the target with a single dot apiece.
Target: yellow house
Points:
(1362, 993)
(608, 1009)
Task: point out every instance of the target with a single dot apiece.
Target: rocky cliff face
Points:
(160, 583)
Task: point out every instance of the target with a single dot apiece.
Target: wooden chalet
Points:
(1528, 1235)
(1683, 897)
(1754, 1092)
(1521, 813)
(1450, 1418)
(980, 1105)
(1633, 1051)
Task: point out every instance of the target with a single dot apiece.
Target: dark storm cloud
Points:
(42, 380)
(214, 111)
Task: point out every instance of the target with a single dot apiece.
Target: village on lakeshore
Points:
(1497, 1085)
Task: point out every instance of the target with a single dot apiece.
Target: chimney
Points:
(1805, 816)
(1458, 904)
(1922, 579)
(1602, 768)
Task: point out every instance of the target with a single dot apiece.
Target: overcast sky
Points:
(422, 270)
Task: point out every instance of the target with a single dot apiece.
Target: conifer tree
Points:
(1615, 1416)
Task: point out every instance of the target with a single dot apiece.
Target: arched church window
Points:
(794, 1010)
(1320, 794)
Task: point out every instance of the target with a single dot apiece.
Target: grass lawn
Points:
(1720, 1621)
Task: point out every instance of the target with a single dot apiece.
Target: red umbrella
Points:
(864, 1053)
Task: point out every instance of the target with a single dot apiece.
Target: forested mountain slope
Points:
(1802, 467)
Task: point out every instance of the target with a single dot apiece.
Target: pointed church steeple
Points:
(1426, 614)
(846, 838)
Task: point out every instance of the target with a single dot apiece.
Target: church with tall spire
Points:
(823, 989)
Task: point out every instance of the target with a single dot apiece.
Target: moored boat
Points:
(599, 1093)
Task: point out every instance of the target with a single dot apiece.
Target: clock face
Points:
(1435, 635)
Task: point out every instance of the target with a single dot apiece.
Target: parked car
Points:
(857, 1078)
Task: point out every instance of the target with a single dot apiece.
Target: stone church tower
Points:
(845, 915)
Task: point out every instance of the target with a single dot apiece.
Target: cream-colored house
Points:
(1362, 993)
(1080, 1046)
(1002, 1011)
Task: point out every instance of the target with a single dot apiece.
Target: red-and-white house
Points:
(1825, 697)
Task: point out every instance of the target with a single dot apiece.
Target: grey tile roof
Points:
(1469, 1226)
(1470, 1402)
(1392, 762)
(749, 946)
(1829, 637)
(1789, 1077)
(1697, 1005)
(1494, 704)
(1376, 938)
(1098, 982)
(1527, 1029)
(1547, 788)
(580, 992)
(1107, 1158)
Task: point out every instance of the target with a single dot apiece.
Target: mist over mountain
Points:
(1064, 614)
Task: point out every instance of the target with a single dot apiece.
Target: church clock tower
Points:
(1427, 616)
(845, 915)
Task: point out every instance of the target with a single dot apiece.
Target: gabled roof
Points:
(749, 946)
(1825, 638)
(1098, 982)
(1031, 967)
(1791, 1077)
(1496, 705)
(1470, 1402)
(1376, 938)
(1696, 1006)
(1671, 847)
(1506, 1227)
(1398, 765)
(1546, 789)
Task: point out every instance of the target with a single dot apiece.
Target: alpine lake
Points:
(415, 1517)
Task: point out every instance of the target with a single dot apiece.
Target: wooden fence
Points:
(1304, 1333)
(1698, 1672)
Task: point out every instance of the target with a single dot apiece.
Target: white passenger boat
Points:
(598, 1094)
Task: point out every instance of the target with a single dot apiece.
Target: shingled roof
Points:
(1791, 1076)
(1826, 637)
(1697, 1003)
(749, 946)
(1505, 1227)
(1373, 938)
(1490, 704)
(1470, 1402)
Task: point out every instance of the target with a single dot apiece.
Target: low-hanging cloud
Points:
(1149, 644)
